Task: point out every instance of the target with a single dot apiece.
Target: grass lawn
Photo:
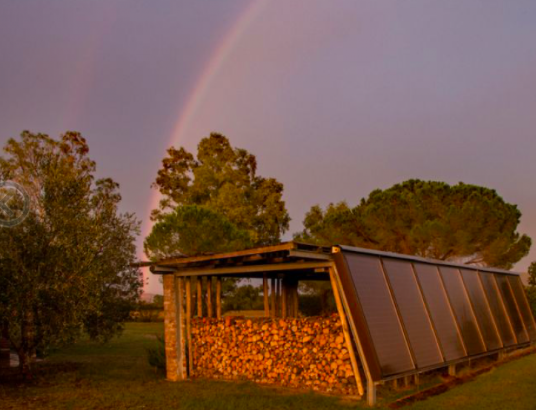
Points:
(117, 376)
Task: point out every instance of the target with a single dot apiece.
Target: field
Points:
(117, 376)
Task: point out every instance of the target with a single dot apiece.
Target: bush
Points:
(156, 356)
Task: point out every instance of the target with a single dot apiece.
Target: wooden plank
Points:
(309, 255)
(218, 297)
(189, 325)
(253, 268)
(265, 294)
(272, 288)
(346, 333)
(209, 296)
(265, 249)
(199, 285)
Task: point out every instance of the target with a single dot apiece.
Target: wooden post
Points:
(180, 324)
(278, 297)
(407, 381)
(272, 288)
(189, 325)
(295, 295)
(199, 297)
(209, 296)
(371, 393)
(283, 298)
(218, 297)
(265, 294)
(452, 370)
(349, 346)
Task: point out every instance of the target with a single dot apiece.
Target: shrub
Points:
(156, 356)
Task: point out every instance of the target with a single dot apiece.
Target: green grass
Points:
(117, 376)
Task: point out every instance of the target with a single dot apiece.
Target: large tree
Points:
(222, 180)
(193, 230)
(464, 223)
(67, 267)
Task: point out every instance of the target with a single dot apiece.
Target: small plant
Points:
(156, 356)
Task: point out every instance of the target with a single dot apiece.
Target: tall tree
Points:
(224, 181)
(465, 223)
(67, 268)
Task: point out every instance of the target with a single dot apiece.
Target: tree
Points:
(223, 180)
(193, 230)
(464, 223)
(67, 268)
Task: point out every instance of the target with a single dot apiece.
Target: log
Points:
(306, 353)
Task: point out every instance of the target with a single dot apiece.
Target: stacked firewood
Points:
(308, 353)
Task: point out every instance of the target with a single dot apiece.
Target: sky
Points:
(335, 98)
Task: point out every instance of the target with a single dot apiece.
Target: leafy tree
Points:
(66, 269)
(193, 230)
(223, 180)
(465, 223)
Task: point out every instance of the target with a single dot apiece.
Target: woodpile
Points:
(308, 353)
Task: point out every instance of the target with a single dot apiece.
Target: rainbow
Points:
(202, 85)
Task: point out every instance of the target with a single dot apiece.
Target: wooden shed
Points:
(398, 316)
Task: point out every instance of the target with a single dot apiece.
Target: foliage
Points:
(244, 297)
(67, 267)
(464, 223)
(156, 356)
(223, 180)
(193, 230)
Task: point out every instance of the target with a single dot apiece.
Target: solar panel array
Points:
(412, 314)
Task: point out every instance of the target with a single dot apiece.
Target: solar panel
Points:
(497, 308)
(511, 308)
(481, 309)
(523, 306)
(380, 314)
(440, 311)
(412, 314)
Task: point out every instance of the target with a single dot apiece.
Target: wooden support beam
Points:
(180, 324)
(452, 370)
(199, 297)
(283, 298)
(218, 297)
(296, 297)
(209, 296)
(278, 297)
(253, 268)
(347, 337)
(265, 294)
(272, 288)
(371, 393)
(189, 325)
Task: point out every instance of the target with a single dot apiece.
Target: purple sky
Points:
(334, 98)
